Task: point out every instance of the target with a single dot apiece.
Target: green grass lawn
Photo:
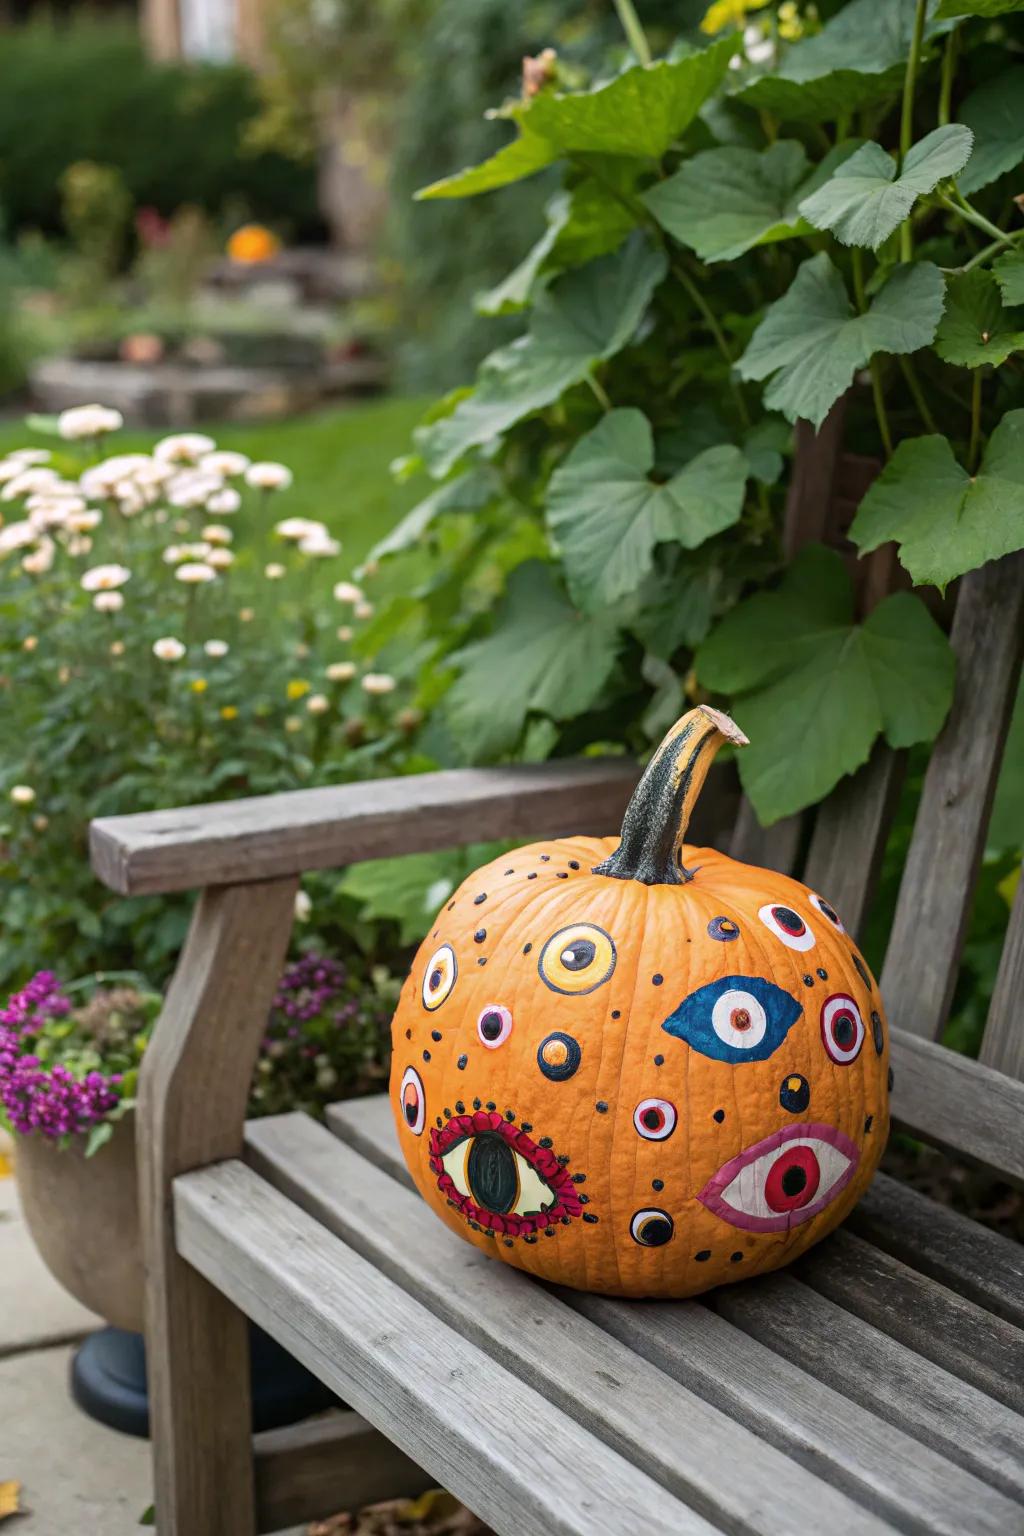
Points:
(339, 457)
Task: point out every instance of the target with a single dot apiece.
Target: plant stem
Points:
(975, 445)
(948, 71)
(716, 330)
(983, 255)
(881, 415)
(923, 408)
(959, 204)
(600, 393)
(635, 35)
(907, 116)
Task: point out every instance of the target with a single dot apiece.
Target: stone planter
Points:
(83, 1217)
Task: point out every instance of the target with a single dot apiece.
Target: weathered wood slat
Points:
(957, 1103)
(850, 831)
(910, 1483)
(935, 1322)
(1003, 1044)
(885, 1377)
(523, 1466)
(774, 847)
(940, 1242)
(330, 1464)
(192, 1096)
(272, 835)
(650, 1419)
(938, 879)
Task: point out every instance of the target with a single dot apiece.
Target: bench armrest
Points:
(269, 836)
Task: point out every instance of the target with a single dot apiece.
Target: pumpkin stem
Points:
(654, 826)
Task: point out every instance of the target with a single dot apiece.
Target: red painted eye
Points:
(827, 910)
(787, 925)
(494, 1026)
(413, 1101)
(655, 1119)
(784, 1180)
(842, 1028)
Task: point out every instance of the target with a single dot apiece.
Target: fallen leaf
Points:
(10, 1500)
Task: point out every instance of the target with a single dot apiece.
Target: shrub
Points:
(175, 132)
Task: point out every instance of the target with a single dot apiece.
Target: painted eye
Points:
(559, 1056)
(487, 1170)
(784, 1180)
(439, 977)
(827, 910)
(413, 1101)
(787, 925)
(577, 960)
(723, 929)
(842, 1028)
(655, 1119)
(651, 1228)
(739, 1018)
(494, 1026)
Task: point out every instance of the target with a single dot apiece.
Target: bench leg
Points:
(193, 1092)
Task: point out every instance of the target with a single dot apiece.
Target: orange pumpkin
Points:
(638, 1067)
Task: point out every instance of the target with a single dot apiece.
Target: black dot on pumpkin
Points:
(460, 1108)
(574, 863)
(735, 1257)
(491, 1105)
(477, 1104)
(868, 1123)
(564, 1160)
(462, 1063)
(877, 1033)
(822, 973)
(561, 875)
(579, 1178)
(862, 970)
(703, 1256)
(526, 1124)
(545, 858)
(890, 1080)
(545, 1141)
(589, 1216)
(808, 981)
(509, 871)
(616, 1013)
(527, 948)
(601, 1107)
(657, 979)
(658, 1184)
(550, 1232)
(482, 960)
(450, 905)
(584, 1199)
(478, 899)
(408, 1034)
(795, 1093)
(719, 1115)
(447, 1114)
(659, 1061)
(435, 1034)
(426, 1055)
(508, 1242)
(480, 935)
(532, 875)
(440, 1122)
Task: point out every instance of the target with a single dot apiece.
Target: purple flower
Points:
(35, 1097)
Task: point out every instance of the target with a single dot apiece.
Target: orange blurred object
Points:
(253, 243)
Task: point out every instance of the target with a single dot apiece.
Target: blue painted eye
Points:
(739, 1018)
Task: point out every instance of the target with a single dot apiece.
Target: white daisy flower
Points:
(30, 455)
(225, 463)
(224, 502)
(83, 520)
(216, 533)
(108, 602)
(27, 481)
(105, 578)
(16, 536)
(268, 476)
(363, 610)
(318, 704)
(88, 421)
(216, 648)
(220, 559)
(192, 490)
(79, 544)
(319, 547)
(273, 571)
(348, 592)
(303, 907)
(195, 572)
(23, 794)
(183, 448)
(168, 649)
(378, 683)
(296, 528)
(41, 558)
(341, 671)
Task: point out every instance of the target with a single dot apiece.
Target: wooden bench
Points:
(878, 1385)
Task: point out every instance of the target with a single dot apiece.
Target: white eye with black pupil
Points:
(827, 911)
(842, 1028)
(739, 1020)
(655, 1119)
(439, 977)
(413, 1101)
(787, 925)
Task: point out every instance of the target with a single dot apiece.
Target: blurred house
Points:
(214, 30)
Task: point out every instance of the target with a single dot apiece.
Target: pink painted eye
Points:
(494, 1026)
(784, 1180)
(413, 1101)
(655, 1119)
(787, 925)
(827, 910)
(842, 1028)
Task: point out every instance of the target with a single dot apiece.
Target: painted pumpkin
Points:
(638, 1067)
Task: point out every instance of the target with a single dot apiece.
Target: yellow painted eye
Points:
(577, 959)
(439, 977)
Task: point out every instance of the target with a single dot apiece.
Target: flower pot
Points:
(84, 1219)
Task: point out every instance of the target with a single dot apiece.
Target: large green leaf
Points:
(608, 515)
(583, 224)
(994, 115)
(543, 657)
(814, 690)
(467, 492)
(641, 112)
(946, 521)
(583, 317)
(1009, 274)
(811, 341)
(868, 196)
(976, 329)
(724, 201)
(858, 58)
(951, 9)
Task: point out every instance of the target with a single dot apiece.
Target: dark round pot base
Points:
(108, 1382)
